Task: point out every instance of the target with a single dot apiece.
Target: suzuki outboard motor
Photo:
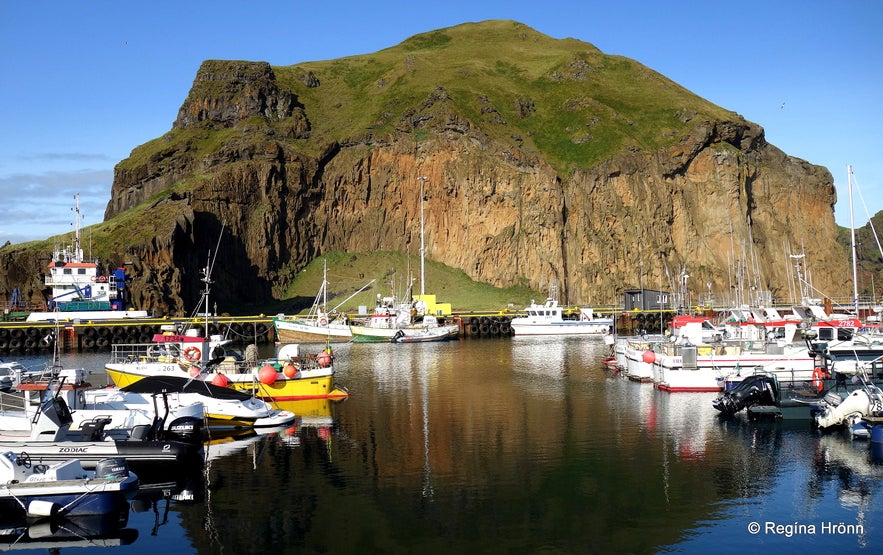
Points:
(187, 429)
(753, 390)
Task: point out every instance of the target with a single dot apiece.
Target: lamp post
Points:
(422, 179)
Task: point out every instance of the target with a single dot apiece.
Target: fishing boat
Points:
(82, 288)
(401, 322)
(548, 319)
(320, 324)
(37, 490)
(288, 377)
(186, 353)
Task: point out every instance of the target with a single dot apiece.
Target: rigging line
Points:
(870, 221)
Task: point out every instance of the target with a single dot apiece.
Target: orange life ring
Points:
(818, 379)
(323, 321)
(94, 278)
(102, 279)
(192, 353)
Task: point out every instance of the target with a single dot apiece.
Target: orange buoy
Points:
(289, 371)
(194, 371)
(323, 359)
(267, 375)
(649, 356)
(220, 380)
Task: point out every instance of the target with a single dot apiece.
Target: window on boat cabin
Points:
(826, 334)
(81, 271)
(844, 334)
(67, 271)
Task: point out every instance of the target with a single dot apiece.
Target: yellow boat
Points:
(287, 378)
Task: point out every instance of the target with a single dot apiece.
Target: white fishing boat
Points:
(548, 319)
(320, 324)
(36, 490)
(83, 289)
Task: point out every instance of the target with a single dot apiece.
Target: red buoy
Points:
(323, 359)
(649, 357)
(267, 375)
(289, 371)
(220, 380)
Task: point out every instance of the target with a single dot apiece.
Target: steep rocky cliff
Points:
(548, 163)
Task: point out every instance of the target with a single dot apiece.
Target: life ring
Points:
(818, 378)
(192, 353)
(323, 321)
(102, 279)
(94, 278)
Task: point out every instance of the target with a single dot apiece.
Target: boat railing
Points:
(139, 352)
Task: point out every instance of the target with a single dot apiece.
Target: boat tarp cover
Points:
(177, 384)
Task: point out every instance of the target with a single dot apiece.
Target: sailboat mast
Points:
(422, 179)
(852, 236)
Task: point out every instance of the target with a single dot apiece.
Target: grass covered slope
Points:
(563, 99)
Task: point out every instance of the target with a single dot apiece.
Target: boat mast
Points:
(78, 250)
(852, 237)
(422, 179)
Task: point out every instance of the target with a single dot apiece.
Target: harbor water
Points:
(510, 445)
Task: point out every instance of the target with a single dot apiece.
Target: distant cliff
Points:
(548, 163)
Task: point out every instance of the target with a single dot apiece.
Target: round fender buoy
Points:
(267, 375)
(220, 380)
(194, 371)
(289, 371)
(323, 359)
(649, 357)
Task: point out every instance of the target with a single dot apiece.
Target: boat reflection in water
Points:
(486, 446)
(52, 535)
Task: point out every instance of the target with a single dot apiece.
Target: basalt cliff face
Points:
(564, 169)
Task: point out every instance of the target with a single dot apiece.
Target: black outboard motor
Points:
(187, 429)
(753, 390)
(115, 467)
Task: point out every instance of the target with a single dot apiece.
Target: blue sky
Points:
(86, 82)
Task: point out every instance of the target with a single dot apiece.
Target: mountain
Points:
(548, 164)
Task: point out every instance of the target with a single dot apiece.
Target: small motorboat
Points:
(63, 489)
(224, 408)
(47, 441)
(93, 409)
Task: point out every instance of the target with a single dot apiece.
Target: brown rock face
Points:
(718, 202)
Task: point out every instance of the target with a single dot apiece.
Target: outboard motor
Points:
(111, 468)
(187, 429)
(753, 390)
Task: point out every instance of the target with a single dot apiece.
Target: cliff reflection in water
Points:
(491, 445)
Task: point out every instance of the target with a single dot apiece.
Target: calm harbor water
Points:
(511, 445)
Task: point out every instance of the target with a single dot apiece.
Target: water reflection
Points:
(55, 534)
(512, 445)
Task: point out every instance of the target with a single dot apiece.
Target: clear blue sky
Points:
(83, 83)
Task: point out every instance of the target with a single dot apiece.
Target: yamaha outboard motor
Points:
(111, 468)
(187, 429)
(753, 390)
